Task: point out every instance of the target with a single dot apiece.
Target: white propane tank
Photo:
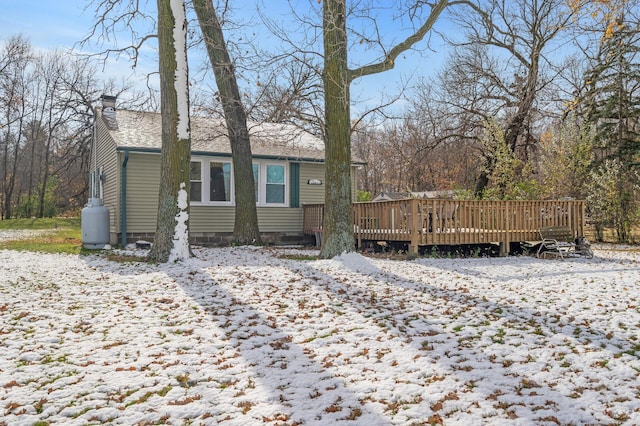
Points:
(95, 224)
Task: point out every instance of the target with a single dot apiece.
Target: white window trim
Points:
(205, 180)
(196, 180)
(262, 182)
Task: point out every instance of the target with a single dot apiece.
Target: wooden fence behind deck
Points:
(421, 222)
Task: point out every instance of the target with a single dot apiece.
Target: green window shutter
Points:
(294, 185)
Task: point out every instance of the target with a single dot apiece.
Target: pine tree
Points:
(612, 105)
(613, 94)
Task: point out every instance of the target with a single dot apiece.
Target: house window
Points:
(216, 188)
(220, 182)
(271, 182)
(195, 187)
(275, 184)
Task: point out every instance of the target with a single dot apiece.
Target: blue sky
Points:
(61, 24)
(47, 23)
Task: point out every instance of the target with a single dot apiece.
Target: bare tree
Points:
(245, 229)
(337, 78)
(502, 68)
(14, 81)
(369, 146)
(83, 87)
(47, 106)
(411, 144)
(123, 16)
(53, 117)
(290, 92)
(116, 18)
(171, 242)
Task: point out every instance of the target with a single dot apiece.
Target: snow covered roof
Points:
(142, 130)
(390, 196)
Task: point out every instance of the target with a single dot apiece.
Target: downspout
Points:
(123, 200)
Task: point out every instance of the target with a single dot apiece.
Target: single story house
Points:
(407, 195)
(392, 196)
(288, 167)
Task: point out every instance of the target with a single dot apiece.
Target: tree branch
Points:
(389, 61)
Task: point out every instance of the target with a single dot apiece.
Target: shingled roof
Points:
(142, 130)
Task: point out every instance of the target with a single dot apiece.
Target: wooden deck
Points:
(436, 222)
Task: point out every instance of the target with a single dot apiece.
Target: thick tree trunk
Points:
(337, 77)
(338, 226)
(172, 233)
(481, 184)
(516, 126)
(245, 230)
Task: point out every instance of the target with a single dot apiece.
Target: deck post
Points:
(415, 227)
(583, 219)
(356, 212)
(506, 222)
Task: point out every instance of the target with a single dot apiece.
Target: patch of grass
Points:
(64, 236)
(42, 223)
(81, 412)
(144, 398)
(499, 336)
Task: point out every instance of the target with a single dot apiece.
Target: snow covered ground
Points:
(245, 336)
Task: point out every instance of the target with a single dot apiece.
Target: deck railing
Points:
(453, 222)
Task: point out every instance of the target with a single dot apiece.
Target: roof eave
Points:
(221, 154)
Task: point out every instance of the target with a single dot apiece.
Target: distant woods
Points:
(537, 100)
(46, 122)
